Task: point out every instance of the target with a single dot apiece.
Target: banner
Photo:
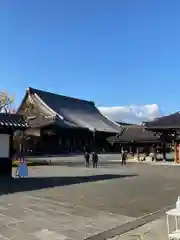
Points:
(22, 169)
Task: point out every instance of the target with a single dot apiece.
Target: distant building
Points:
(168, 128)
(134, 138)
(161, 137)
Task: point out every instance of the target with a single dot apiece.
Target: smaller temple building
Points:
(168, 129)
(9, 123)
(135, 139)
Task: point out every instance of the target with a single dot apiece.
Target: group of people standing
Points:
(94, 159)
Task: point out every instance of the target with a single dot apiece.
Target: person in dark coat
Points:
(95, 159)
(86, 157)
(124, 158)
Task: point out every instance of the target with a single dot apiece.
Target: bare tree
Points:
(6, 102)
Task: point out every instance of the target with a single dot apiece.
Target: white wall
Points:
(4, 145)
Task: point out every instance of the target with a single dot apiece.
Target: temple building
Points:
(135, 139)
(9, 124)
(61, 124)
(168, 128)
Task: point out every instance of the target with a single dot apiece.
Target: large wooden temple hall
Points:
(63, 124)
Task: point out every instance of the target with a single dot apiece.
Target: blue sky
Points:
(115, 52)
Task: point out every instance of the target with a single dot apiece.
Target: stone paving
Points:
(156, 230)
(62, 202)
(38, 218)
(40, 214)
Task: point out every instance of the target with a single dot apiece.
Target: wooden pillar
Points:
(122, 148)
(154, 152)
(74, 144)
(163, 146)
(94, 140)
(137, 152)
(177, 152)
(130, 150)
(111, 146)
(164, 151)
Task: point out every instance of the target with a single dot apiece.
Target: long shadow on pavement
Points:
(8, 186)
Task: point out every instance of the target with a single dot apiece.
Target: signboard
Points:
(4, 145)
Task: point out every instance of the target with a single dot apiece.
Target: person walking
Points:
(86, 157)
(124, 157)
(95, 159)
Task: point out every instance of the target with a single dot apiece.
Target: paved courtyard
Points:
(153, 230)
(68, 202)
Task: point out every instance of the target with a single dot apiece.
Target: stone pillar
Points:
(164, 151)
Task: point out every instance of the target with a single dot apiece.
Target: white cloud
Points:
(133, 113)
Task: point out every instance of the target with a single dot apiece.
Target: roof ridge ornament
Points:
(28, 89)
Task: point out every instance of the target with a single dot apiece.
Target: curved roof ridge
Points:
(171, 121)
(34, 90)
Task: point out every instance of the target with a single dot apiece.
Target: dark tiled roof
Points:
(76, 113)
(166, 122)
(134, 133)
(12, 121)
(40, 116)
